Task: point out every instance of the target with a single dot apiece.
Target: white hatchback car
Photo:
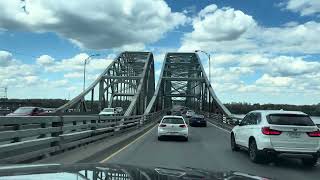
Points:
(173, 126)
(267, 134)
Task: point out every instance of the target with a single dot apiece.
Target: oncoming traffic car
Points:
(28, 111)
(267, 134)
(173, 126)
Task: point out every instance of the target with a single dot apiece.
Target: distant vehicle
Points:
(108, 112)
(267, 134)
(198, 120)
(119, 110)
(177, 113)
(189, 113)
(27, 111)
(173, 126)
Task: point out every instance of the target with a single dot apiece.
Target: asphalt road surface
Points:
(207, 148)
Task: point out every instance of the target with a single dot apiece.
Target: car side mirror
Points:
(159, 121)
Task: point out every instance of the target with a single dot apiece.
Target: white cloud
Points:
(96, 24)
(76, 64)
(59, 83)
(292, 66)
(227, 30)
(31, 80)
(14, 72)
(45, 60)
(267, 80)
(73, 75)
(304, 7)
(5, 58)
(224, 24)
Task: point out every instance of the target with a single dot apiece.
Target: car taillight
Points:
(268, 131)
(183, 126)
(163, 125)
(314, 134)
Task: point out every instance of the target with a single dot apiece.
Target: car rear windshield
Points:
(290, 119)
(23, 110)
(197, 119)
(173, 121)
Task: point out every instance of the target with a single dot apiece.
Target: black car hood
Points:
(112, 171)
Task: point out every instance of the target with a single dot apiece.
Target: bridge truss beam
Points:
(183, 80)
(128, 82)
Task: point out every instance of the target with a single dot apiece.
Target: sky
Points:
(262, 51)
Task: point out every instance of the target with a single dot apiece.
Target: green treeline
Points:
(243, 108)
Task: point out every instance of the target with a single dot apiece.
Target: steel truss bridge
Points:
(129, 82)
(76, 133)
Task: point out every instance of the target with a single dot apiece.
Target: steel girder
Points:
(183, 79)
(127, 82)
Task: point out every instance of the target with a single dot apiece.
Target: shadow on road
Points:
(283, 162)
(173, 138)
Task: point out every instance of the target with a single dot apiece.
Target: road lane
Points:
(207, 148)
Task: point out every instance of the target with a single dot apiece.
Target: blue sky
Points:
(263, 51)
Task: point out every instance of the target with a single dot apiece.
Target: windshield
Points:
(108, 71)
(173, 121)
(290, 119)
(23, 110)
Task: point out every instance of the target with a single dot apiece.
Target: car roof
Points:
(28, 107)
(169, 116)
(267, 112)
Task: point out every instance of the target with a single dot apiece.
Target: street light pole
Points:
(84, 69)
(208, 63)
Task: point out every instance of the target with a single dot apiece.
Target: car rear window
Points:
(173, 121)
(290, 119)
(197, 119)
(24, 110)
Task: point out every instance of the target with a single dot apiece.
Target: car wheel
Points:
(254, 154)
(310, 162)
(159, 138)
(205, 125)
(234, 146)
(186, 139)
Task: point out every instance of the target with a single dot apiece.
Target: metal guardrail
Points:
(222, 120)
(24, 139)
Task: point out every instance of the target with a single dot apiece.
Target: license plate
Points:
(173, 132)
(294, 134)
(199, 121)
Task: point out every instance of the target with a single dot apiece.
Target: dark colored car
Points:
(27, 111)
(114, 171)
(198, 120)
(177, 113)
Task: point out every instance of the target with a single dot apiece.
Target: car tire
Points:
(234, 146)
(255, 155)
(205, 125)
(159, 138)
(186, 139)
(310, 162)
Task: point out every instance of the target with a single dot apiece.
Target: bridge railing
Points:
(24, 139)
(221, 120)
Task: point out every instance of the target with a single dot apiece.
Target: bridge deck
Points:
(207, 148)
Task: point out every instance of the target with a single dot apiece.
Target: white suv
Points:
(267, 134)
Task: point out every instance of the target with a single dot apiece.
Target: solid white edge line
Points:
(117, 152)
(219, 127)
